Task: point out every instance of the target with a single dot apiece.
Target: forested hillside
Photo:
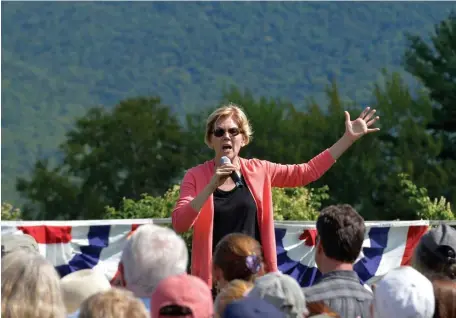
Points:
(61, 58)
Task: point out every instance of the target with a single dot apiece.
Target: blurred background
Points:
(104, 103)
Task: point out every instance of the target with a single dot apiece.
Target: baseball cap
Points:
(13, 242)
(252, 307)
(440, 241)
(283, 292)
(404, 292)
(182, 296)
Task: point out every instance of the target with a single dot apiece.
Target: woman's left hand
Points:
(360, 126)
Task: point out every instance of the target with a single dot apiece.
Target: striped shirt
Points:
(343, 293)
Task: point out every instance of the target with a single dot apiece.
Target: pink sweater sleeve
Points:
(184, 216)
(290, 176)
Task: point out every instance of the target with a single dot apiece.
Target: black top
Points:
(235, 211)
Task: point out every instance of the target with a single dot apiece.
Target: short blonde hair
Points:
(236, 289)
(238, 115)
(30, 287)
(119, 303)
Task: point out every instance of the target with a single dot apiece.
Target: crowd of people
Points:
(155, 282)
(227, 201)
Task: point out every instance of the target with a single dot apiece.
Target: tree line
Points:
(140, 149)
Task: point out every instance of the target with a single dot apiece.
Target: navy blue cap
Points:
(251, 307)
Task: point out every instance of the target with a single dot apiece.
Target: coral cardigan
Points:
(260, 176)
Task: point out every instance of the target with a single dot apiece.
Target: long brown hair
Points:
(236, 289)
(319, 307)
(445, 295)
(238, 256)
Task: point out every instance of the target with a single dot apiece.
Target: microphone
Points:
(234, 176)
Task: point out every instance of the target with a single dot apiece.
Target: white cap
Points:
(404, 292)
(80, 285)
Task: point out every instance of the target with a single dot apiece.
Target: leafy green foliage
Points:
(365, 177)
(135, 148)
(434, 64)
(61, 58)
(425, 208)
(147, 207)
(143, 146)
(298, 204)
(10, 213)
(289, 204)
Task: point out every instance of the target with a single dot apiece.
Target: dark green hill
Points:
(60, 58)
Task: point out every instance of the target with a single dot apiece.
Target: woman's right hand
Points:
(221, 174)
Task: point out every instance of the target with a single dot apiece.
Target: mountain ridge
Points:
(60, 58)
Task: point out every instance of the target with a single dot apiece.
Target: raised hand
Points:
(360, 126)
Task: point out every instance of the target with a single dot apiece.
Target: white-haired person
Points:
(214, 205)
(151, 254)
(30, 287)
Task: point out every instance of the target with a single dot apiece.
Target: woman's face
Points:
(227, 138)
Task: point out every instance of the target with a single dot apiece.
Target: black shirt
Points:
(235, 211)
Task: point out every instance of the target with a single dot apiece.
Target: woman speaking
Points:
(215, 205)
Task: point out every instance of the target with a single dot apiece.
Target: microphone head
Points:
(225, 160)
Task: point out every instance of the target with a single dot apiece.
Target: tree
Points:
(407, 147)
(419, 200)
(138, 147)
(365, 177)
(435, 66)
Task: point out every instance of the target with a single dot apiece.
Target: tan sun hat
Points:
(14, 242)
(80, 285)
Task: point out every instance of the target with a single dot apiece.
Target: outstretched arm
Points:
(302, 174)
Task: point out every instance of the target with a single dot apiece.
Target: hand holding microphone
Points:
(234, 175)
(224, 171)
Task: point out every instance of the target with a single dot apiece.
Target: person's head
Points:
(435, 255)
(151, 254)
(13, 242)
(283, 292)
(251, 307)
(182, 296)
(227, 131)
(113, 303)
(403, 292)
(340, 231)
(80, 285)
(445, 296)
(236, 289)
(30, 287)
(237, 256)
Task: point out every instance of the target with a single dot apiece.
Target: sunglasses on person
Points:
(219, 132)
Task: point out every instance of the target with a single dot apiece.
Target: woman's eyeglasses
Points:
(219, 132)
